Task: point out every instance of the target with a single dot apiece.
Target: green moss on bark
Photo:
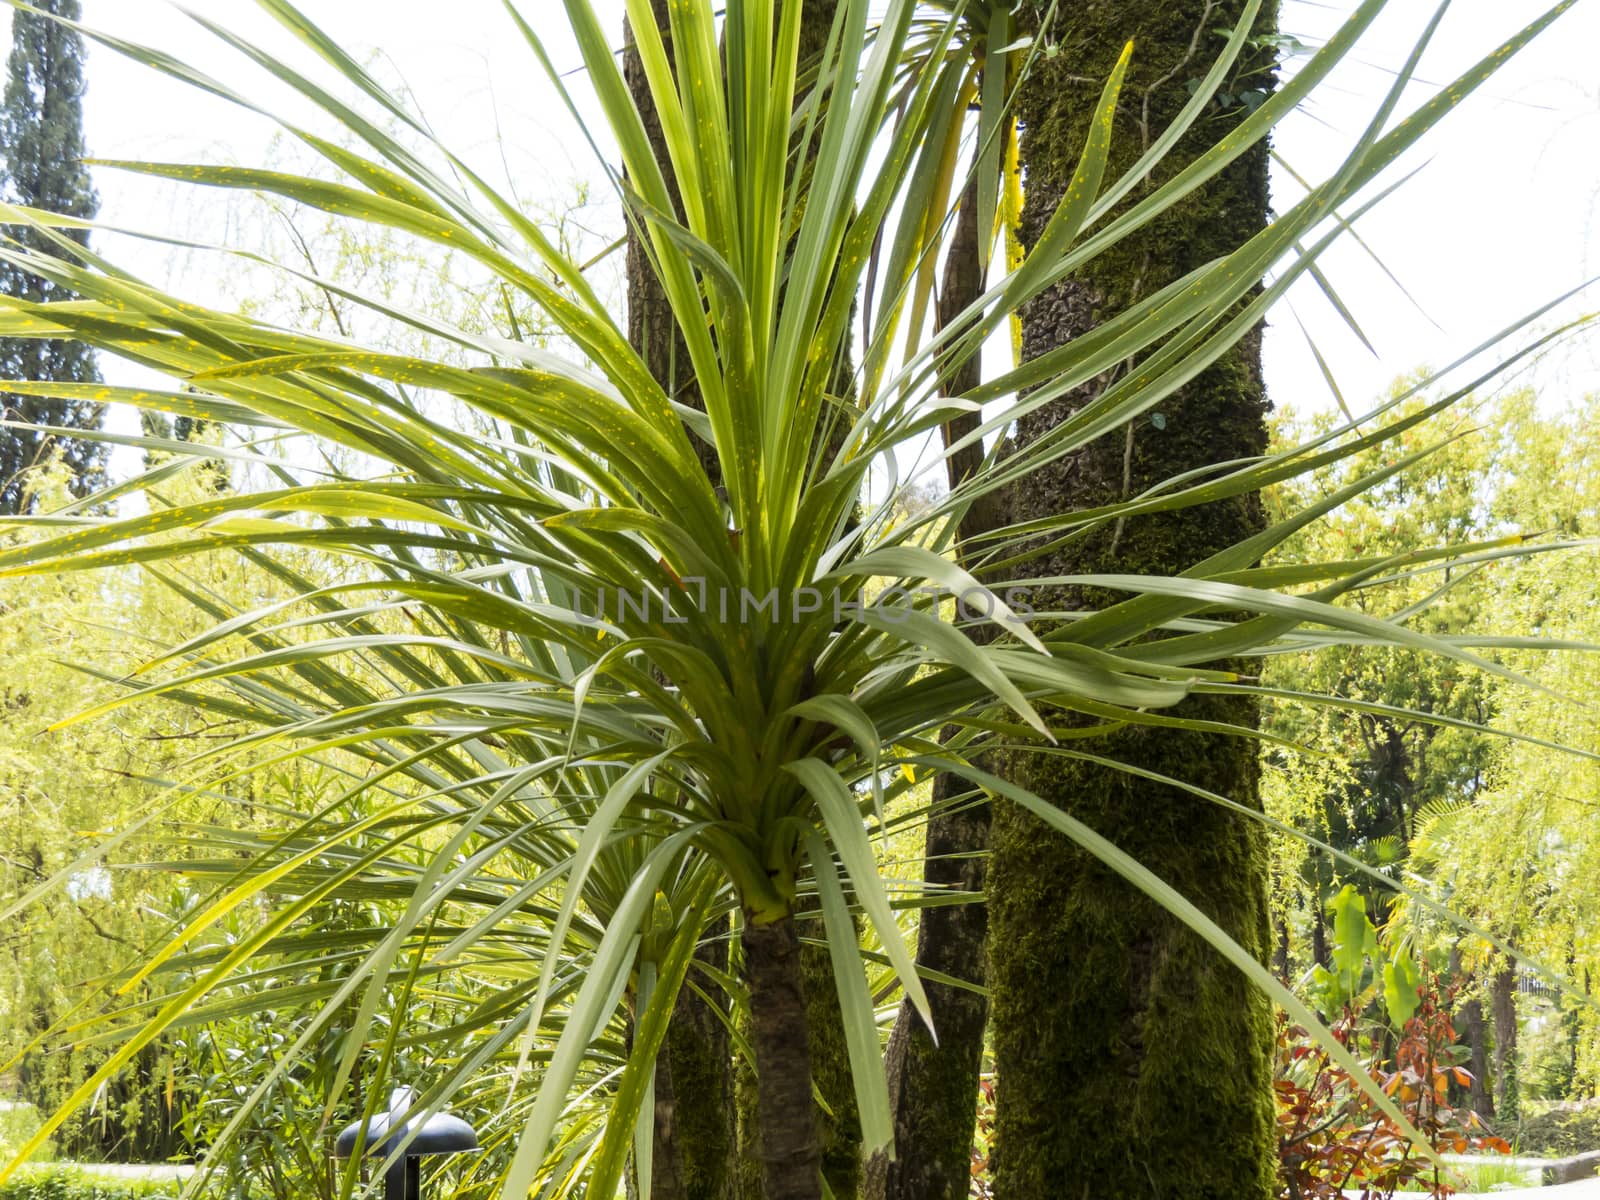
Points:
(748, 1121)
(1131, 1057)
(1132, 1060)
(698, 1051)
(839, 1124)
(933, 1088)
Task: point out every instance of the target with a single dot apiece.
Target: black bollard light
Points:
(441, 1133)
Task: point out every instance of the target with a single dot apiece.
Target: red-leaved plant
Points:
(1332, 1138)
(983, 1143)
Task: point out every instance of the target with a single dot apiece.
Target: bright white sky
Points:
(1505, 215)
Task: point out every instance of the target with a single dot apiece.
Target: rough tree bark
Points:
(1131, 1059)
(1468, 1022)
(1503, 1008)
(1479, 1098)
(838, 1118)
(789, 1149)
(933, 1088)
(839, 1124)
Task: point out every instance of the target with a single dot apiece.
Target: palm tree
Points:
(587, 696)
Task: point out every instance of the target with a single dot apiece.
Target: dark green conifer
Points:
(41, 166)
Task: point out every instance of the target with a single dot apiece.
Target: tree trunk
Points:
(1319, 936)
(838, 1117)
(1468, 1022)
(789, 1149)
(1503, 1005)
(1479, 1099)
(698, 1063)
(933, 1088)
(748, 1182)
(1131, 1059)
(666, 1175)
(1572, 1023)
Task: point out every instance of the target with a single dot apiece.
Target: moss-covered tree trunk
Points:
(697, 1125)
(933, 1086)
(839, 1124)
(1131, 1059)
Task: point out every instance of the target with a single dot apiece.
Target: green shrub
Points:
(19, 1121)
(1561, 1131)
(74, 1183)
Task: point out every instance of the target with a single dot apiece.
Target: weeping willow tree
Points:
(611, 675)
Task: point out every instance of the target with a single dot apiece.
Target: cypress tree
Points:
(41, 166)
(1131, 1059)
